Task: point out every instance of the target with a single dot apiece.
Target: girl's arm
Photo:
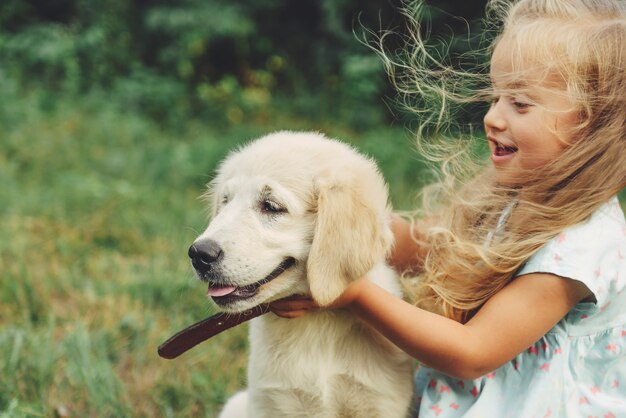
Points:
(510, 322)
(406, 255)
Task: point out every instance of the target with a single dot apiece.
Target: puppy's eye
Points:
(271, 207)
(224, 199)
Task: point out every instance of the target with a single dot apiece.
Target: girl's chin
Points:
(508, 177)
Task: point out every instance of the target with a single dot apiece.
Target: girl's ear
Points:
(349, 238)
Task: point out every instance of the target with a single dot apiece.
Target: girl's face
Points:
(530, 121)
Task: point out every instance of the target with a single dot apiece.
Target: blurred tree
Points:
(214, 58)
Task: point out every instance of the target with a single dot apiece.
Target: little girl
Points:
(520, 304)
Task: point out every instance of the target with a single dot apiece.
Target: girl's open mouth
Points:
(500, 151)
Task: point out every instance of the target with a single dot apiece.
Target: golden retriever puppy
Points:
(298, 213)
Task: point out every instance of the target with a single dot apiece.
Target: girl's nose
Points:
(493, 118)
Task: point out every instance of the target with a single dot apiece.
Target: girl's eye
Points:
(271, 207)
(520, 105)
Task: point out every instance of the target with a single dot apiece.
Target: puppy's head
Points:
(293, 213)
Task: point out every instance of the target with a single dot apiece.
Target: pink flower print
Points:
(624, 333)
(444, 388)
(584, 316)
(594, 390)
(454, 406)
(545, 367)
(533, 350)
(561, 237)
(597, 273)
(615, 384)
(609, 415)
(515, 364)
(544, 346)
(436, 409)
(474, 391)
(461, 383)
(548, 413)
(620, 255)
(558, 350)
(583, 400)
(491, 375)
(606, 305)
(612, 348)
(557, 258)
(432, 384)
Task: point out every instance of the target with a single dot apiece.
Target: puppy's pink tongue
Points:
(220, 291)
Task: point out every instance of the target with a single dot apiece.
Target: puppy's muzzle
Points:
(204, 254)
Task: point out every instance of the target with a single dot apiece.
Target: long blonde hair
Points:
(584, 42)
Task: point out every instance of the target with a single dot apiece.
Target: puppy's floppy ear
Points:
(350, 236)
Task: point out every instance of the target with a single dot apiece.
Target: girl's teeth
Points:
(502, 150)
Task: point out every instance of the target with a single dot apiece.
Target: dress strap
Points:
(504, 216)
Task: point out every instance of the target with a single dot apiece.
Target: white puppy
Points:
(298, 213)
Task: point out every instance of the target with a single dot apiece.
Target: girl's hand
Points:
(293, 306)
(297, 306)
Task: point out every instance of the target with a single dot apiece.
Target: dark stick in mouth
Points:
(201, 331)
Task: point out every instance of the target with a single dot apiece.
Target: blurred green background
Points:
(113, 115)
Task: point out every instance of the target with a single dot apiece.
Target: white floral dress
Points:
(578, 369)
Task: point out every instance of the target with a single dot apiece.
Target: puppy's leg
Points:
(236, 406)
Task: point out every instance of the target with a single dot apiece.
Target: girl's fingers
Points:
(289, 314)
(294, 304)
(293, 307)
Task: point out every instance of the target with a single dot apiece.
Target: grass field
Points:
(98, 208)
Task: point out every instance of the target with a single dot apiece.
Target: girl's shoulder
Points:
(593, 252)
(606, 225)
(604, 231)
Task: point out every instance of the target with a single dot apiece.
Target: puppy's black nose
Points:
(204, 253)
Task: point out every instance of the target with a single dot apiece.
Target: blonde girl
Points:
(520, 308)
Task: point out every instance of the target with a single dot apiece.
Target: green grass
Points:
(98, 207)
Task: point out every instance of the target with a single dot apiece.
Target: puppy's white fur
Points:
(328, 210)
